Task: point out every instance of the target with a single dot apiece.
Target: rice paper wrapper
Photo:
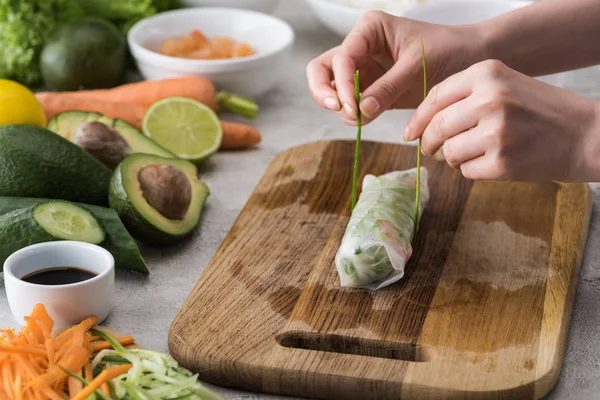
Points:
(377, 242)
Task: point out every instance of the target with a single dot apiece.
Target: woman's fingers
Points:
(483, 168)
(382, 94)
(365, 40)
(465, 147)
(453, 89)
(344, 68)
(449, 122)
(320, 75)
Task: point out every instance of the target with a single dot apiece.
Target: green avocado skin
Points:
(18, 229)
(35, 162)
(88, 53)
(139, 226)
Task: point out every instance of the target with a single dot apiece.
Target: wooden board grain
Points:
(482, 312)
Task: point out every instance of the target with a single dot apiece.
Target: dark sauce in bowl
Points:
(59, 276)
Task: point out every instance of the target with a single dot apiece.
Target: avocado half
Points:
(143, 220)
(65, 124)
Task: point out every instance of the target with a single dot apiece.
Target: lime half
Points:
(186, 127)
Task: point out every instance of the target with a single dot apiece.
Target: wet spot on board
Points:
(528, 364)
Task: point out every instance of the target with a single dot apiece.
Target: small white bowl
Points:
(66, 304)
(250, 76)
(264, 6)
(460, 12)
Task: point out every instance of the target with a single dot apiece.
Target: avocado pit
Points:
(167, 189)
(102, 142)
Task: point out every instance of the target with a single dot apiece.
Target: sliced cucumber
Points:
(18, 229)
(67, 221)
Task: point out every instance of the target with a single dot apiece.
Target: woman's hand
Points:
(387, 51)
(495, 123)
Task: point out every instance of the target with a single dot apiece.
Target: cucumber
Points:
(14, 236)
(67, 221)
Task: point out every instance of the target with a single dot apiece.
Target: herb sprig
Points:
(357, 146)
(418, 188)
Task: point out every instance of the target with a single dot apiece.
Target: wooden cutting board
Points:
(482, 312)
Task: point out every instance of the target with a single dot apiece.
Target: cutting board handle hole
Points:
(352, 345)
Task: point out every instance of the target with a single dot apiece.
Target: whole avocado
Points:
(35, 162)
(88, 53)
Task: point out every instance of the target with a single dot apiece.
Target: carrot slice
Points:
(105, 389)
(74, 387)
(7, 348)
(103, 345)
(104, 376)
(87, 372)
(33, 328)
(77, 330)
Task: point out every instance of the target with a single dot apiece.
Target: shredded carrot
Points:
(34, 365)
(22, 350)
(103, 377)
(104, 388)
(74, 387)
(103, 345)
(87, 372)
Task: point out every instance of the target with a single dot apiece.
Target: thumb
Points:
(386, 90)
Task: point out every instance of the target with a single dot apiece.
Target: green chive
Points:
(418, 197)
(358, 134)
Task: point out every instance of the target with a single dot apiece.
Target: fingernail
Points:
(407, 133)
(332, 103)
(369, 106)
(349, 110)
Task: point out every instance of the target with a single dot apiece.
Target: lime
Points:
(186, 127)
(19, 106)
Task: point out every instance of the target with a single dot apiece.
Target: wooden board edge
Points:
(549, 375)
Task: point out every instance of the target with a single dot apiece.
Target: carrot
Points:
(4, 348)
(104, 376)
(238, 136)
(44, 324)
(103, 345)
(56, 103)
(104, 388)
(74, 386)
(142, 93)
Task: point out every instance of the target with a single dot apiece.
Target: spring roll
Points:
(377, 241)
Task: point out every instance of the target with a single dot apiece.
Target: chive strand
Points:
(357, 147)
(418, 188)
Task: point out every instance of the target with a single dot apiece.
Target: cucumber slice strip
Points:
(67, 221)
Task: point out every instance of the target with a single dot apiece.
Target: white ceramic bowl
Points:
(251, 76)
(66, 304)
(340, 19)
(265, 6)
(460, 12)
(336, 17)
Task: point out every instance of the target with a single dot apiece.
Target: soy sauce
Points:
(59, 276)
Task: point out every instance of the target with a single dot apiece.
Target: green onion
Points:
(418, 196)
(358, 134)
(237, 104)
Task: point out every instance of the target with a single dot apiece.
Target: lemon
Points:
(19, 106)
(186, 127)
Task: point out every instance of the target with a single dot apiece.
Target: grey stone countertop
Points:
(145, 308)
